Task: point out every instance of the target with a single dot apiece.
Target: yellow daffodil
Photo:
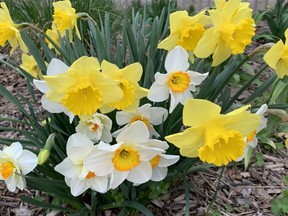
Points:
(65, 17)
(213, 137)
(128, 79)
(9, 31)
(233, 28)
(185, 30)
(277, 57)
(30, 65)
(54, 35)
(82, 89)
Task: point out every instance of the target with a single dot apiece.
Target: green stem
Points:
(216, 192)
(243, 88)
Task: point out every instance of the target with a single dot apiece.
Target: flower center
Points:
(125, 158)
(190, 36)
(239, 36)
(6, 169)
(83, 99)
(179, 81)
(221, 145)
(140, 118)
(63, 20)
(93, 127)
(154, 161)
(90, 175)
(128, 95)
(251, 136)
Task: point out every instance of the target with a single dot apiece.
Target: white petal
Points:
(174, 101)
(159, 173)
(116, 133)
(177, 60)
(144, 111)
(141, 173)
(78, 147)
(158, 93)
(157, 115)
(106, 136)
(68, 169)
(123, 118)
(117, 178)
(262, 109)
(147, 153)
(41, 85)
(27, 162)
(197, 78)
(160, 78)
(153, 132)
(68, 181)
(99, 183)
(56, 67)
(167, 160)
(79, 186)
(253, 143)
(99, 162)
(185, 96)
(21, 182)
(69, 114)
(14, 150)
(136, 133)
(52, 107)
(157, 144)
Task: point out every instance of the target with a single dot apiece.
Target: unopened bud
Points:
(43, 156)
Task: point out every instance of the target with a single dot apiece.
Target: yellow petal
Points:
(189, 141)
(207, 44)
(197, 112)
(86, 65)
(274, 54)
(222, 52)
(282, 68)
(132, 72)
(111, 70)
(176, 20)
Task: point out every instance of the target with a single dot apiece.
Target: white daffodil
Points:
(251, 140)
(128, 159)
(160, 162)
(54, 67)
(78, 178)
(178, 81)
(147, 114)
(14, 163)
(96, 127)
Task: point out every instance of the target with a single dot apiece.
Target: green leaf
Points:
(42, 204)
(279, 206)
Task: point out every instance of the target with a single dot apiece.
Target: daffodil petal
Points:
(141, 173)
(177, 60)
(56, 67)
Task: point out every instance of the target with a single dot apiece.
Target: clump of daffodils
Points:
(116, 130)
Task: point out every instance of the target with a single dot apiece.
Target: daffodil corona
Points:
(213, 137)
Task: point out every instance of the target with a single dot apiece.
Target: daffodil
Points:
(160, 162)
(127, 79)
(232, 30)
(82, 89)
(178, 81)
(146, 113)
(277, 57)
(213, 137)
(185, 30)
(251, 140)
(14, 163)
(30, 65)
(9, 31)
(77, 177)
(54, 35)
(97, 127)
(65, 17)
(55, 67)
(128, 159)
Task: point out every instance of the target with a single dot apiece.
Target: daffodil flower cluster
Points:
(103, 152)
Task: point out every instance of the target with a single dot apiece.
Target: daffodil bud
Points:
(50, 141)
(43, 156)
(261, 48)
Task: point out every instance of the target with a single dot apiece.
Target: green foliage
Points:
(279, 206)
(277, 20)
